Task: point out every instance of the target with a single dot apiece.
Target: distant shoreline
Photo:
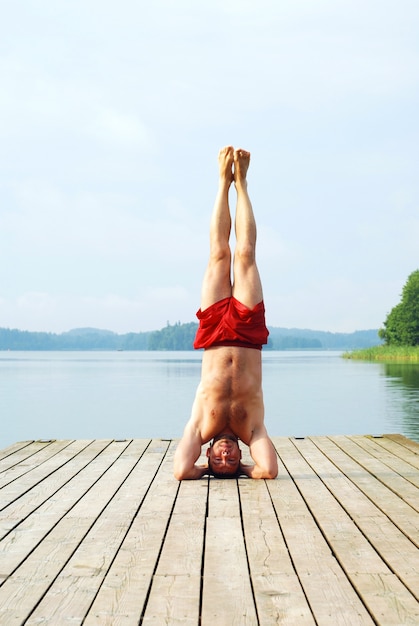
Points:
(178, 337)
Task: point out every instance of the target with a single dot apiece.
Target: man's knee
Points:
(218, 274)
(220, 255)
(244, 255)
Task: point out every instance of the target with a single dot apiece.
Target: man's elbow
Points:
(262, 472)
(271, 471)
(179, 472)
(183, 472)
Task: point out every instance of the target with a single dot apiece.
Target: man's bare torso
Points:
(229, 397)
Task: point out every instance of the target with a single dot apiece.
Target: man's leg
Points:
(247, 287)
(217, 280)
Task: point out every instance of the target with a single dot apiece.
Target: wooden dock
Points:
(99, 532)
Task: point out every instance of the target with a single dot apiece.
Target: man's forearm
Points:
(254, 471)
(193, 473)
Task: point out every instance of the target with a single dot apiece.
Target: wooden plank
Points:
(409, 444)
(77, 584)
(398, 554)
(391, 608)
(175, 591)
(30, 467)
(123, 594)
(330, 595)
(227, 597)
(401, 514)
(29, 582)
(41, 496)
(9, 451)
(104, 535)
(278, 592)
(384, 454)
(393, 445)
(367, 456)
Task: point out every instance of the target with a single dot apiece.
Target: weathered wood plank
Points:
(398, 554)
(32, 470)
(175, 591)
(330, 595)
(392, 607)
(395, 445)
(381, 452)
(77, 584)
(401, 514)
(18, 449)
(278, 592)
(32, 579)
(122, 596)
(409, 444)
(100, 533)
(227, 597)
(90, 462)
(377, 467)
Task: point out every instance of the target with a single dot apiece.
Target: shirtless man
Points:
(228, 405)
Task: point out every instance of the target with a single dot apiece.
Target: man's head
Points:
(224, 456)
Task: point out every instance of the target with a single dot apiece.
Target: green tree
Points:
(401, 327)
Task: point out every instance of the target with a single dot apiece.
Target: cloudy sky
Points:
(111, 118)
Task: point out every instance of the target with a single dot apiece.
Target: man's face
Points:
(224, 456)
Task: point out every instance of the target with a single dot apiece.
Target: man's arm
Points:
(263, 454)
(186, 455)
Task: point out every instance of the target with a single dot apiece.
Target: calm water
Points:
(77, 395)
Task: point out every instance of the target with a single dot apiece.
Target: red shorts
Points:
(231, 323)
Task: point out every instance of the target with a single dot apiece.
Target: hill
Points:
(305, 339)
(178, 337)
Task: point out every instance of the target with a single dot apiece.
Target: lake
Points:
(83, 395)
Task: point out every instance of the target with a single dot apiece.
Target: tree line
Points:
(177, 337)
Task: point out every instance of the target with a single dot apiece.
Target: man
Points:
(228, 405)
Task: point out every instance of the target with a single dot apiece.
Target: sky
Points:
(111, 118)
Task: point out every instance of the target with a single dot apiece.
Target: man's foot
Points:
(225, 162)
(241, 165)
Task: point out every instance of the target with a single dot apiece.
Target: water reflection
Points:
(403, 384)
(139, 394)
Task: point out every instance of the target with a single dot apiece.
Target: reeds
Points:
(400, 354)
